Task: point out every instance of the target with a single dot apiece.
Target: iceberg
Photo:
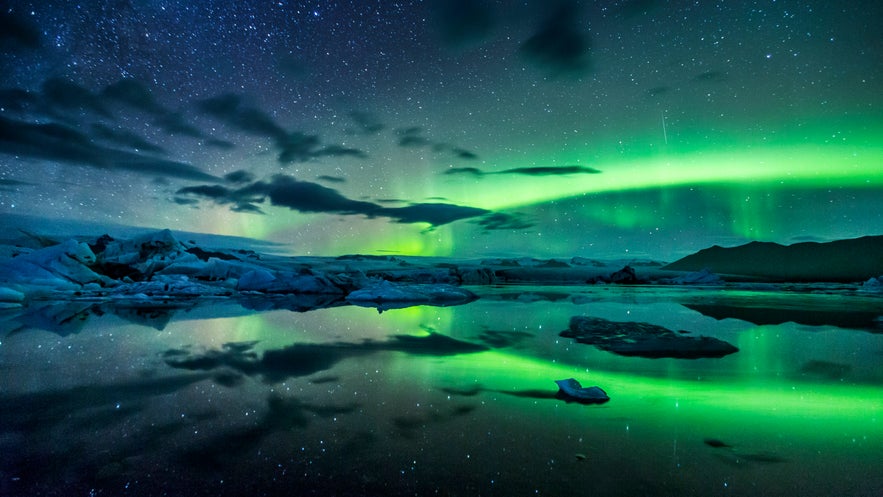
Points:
(305, 281)
(383, 292)
(61, 267)
(572, 391)
(874, 285)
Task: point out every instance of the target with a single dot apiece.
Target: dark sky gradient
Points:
(460, 127)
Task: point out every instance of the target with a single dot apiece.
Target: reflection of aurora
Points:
(759, 386)
(801, 398)
(754, 381)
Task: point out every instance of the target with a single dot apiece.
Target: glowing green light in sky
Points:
(773, 167)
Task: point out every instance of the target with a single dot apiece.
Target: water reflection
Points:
(222, 397)
(297, 360)
(763, 314)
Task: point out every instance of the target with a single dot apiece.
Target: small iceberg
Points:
(571, 391)
(408, 294)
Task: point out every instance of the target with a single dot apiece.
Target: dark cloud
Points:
(239, 200)
(502, 221)
(229, 109)
(464, 154)
(185, 201)
(560, 46)
(246, 208)
(331, 179)
(58, 142)
(550, 170)
(18, 32)
(458, 152)
(293, 147)
(412, 137)
(461, 22)
(65, 102)
(124, 138)
(297, 147)
(304, 196)
(239, 177)
(308, 197)
(152, 166)
(134, 94)
(173, 123)
(302, 148)
(340, 151)
(137, 95)
(471, 171)
(435, 214)
(368, 124)
(525, 171)
(63, 94)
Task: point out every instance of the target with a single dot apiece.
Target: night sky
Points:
(642, 128)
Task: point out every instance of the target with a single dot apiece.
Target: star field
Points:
(460, 127)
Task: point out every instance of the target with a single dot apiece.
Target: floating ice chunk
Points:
(571, 389)
(385, 291)
(873, 285)
(262, 280)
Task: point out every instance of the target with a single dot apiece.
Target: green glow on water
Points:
(489, 414)
(758, 414)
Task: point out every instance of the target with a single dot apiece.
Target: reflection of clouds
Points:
(298, 360)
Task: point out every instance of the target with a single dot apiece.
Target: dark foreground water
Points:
(224, 399)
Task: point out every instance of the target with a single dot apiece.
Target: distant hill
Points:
(851, 260)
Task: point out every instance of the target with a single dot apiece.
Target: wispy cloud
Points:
(309, 197)
(67, 145)
(293, 146)
(560, 45)
(413, 137)
(525, 171)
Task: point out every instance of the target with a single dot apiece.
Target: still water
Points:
(270, 398)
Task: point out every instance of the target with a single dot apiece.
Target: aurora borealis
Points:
(641, 128)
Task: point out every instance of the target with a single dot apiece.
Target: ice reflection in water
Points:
(221, 398)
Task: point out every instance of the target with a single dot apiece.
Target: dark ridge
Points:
(850, 260)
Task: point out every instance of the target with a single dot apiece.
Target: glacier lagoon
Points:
(275, 396)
